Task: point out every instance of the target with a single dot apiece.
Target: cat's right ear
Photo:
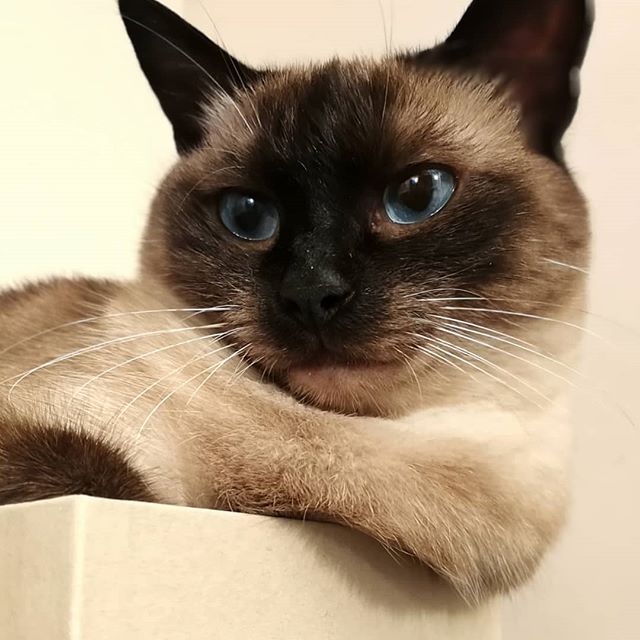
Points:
(183, 67)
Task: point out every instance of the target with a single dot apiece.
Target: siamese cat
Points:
(349, 307)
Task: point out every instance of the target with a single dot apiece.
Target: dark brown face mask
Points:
(335, 207)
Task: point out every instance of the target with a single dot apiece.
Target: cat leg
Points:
(480, 521)
(38, 461)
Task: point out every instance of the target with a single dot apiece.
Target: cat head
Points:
(362, 218)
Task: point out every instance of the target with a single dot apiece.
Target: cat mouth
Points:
(335, 380)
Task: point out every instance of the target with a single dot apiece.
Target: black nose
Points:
(315, 304)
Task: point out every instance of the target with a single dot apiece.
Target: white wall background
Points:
(83, 144)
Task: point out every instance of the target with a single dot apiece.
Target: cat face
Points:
(348, 213)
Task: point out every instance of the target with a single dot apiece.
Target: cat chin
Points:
(356, 388)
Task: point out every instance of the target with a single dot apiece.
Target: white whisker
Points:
(567, 266)
(449, 291)
(212, 369)
(508, 353)
(404, 358)
(439, 348)
(169, 375)
(462, 299)
(238, 374)
(193, 310)
(217, 367)
(514, 342)
(97, 377)
(531, 316)
(497, 367)
(437, 356)
(506, 337)
(603, 399)
(486, 362)
(96, 347)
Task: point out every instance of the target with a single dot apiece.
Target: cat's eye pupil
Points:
(248, 217)
(416, 192)
(420, 196)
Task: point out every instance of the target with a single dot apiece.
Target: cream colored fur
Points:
(473, 486)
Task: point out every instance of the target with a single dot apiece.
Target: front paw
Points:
(482, 534)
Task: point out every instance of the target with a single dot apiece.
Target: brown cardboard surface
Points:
(83, 568)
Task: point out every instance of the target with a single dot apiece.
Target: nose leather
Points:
(314, 297)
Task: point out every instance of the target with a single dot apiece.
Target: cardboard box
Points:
(81, 568)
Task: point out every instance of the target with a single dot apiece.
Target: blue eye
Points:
(248, 217)
(420, 196)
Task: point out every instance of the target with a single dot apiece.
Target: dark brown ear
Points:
(536, 48)
(183, 67)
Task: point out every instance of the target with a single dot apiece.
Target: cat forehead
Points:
(360, 107)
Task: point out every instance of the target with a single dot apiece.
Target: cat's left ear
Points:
(183, 67)
(536, 47)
